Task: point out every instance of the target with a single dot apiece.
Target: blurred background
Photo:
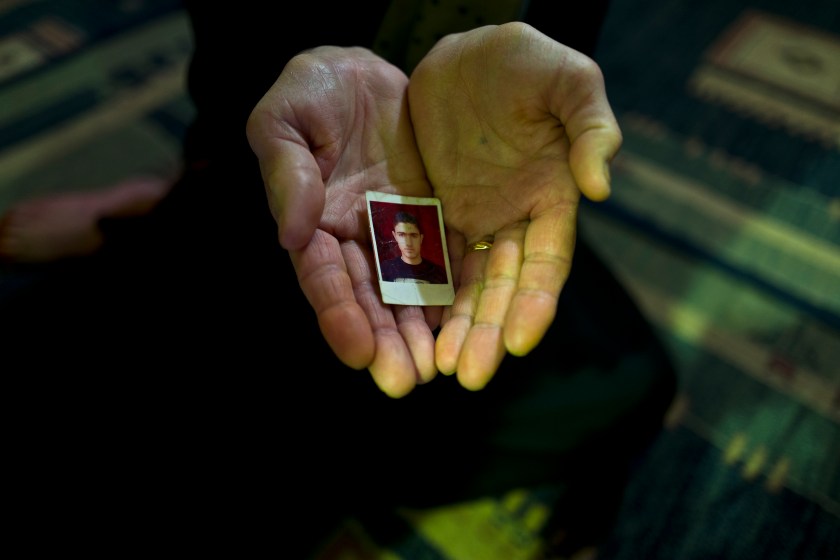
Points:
(90, 92)
(724, 223)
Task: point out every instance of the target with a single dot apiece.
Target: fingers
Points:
(392, 368)
(548, 250)
(508, 296)
(414, 328)
(405, 347)
(403, 340)
(484, 347)
(325, 281)
(395, 345)
(471, 342)
(461, 314)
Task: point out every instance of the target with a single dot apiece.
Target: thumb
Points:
(295, 192)
(590, 156)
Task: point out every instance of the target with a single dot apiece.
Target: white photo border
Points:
(400, 293)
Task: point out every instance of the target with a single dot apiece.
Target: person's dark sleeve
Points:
(241, 48)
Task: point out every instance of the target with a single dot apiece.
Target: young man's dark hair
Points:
(403, 217)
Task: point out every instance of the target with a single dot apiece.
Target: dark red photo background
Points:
(382, 214)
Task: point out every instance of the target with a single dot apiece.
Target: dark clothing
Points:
(177, 384)
(427, 272)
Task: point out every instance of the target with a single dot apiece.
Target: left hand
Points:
(512, 127)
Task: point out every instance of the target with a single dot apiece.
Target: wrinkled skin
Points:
(509, 127)
(512, 127)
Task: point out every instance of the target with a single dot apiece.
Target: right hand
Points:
(334, 125)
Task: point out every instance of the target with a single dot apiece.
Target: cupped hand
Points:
(334, 125)
(512, 127)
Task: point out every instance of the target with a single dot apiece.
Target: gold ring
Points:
(481, 246)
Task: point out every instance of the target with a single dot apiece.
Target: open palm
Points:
(334, 125)
(512, 127)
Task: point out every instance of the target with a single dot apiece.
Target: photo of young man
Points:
(409, 243)
(409, 265)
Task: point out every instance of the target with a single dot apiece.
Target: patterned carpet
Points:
(724, 223)
(93, 89)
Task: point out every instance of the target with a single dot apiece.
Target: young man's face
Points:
(409, 239)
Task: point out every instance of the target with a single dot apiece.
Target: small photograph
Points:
(409, 244)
